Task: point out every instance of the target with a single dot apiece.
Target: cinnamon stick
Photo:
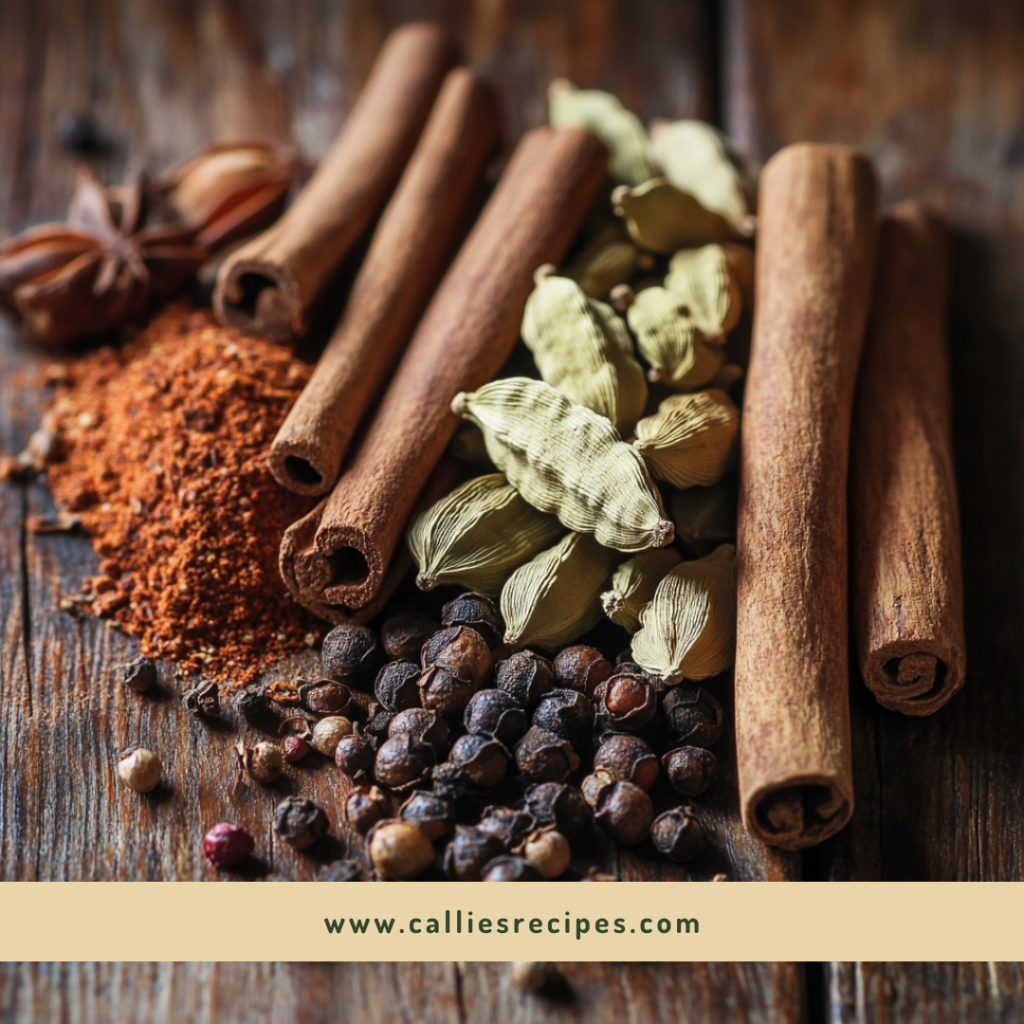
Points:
(268, 285)
(815, 262)
(406, 258)
(464, 338)
(904, 519)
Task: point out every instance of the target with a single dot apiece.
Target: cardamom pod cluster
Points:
(478, 535)
(582, 348)
(688, 631)
(689, 440)
(556, 596)
(634, 584)
(709, 282)
(568, 460)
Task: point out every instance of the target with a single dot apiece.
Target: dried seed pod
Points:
(678, 834)
(634, 583)
(525, 676)
(626, 702)
(350, 655)
(432, 813)
(427, 726)
(366, 806)
(464, 652)
(202, 699)
(619, 129)
(690, 769)
(328, 731)
(558, 804)
(262, 763)
(695, 157)
(566, 713)
(680, 356)
(693, 716)
(565, 459)
(542, 756)
(663, 218)
(606, 262)
(139, 674)
(510, 869)
(396, 686)
(688, 631)
(483, 761)
(326, 697)
(398, 850)
(581, 668)
(469, 852)
(354, 755)
(706, 516)
(403, 762)
(627, 759)
(582, 348)
(476, 611)
(710, 280)
(556, 597)
(625, 812)
(594, 784)
(403, 635)
(689, 440)
(478, 536)
(548, 851)
(496, 715)
(139, 769)
(510, 826)
(299, 822)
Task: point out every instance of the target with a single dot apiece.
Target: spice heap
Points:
(162, 447)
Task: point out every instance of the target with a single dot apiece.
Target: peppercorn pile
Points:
(161, 453)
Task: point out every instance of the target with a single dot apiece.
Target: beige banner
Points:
(526, 921)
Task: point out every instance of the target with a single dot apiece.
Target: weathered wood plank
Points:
(932, 91)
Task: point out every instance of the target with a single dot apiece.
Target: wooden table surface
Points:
(933, 91)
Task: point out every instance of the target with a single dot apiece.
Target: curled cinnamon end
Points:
(914, 677)
(260, 298)
(802, 815)
(296, 465)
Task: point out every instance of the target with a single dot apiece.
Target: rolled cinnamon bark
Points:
(268, 285)
(904, 518)
(815, 261)
(407, 256)
(464, 338)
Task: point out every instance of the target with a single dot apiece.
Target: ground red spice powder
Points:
(162, 449)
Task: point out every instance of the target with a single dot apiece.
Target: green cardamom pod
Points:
(661, 218)
(556, 597)
(478, 535)
(688, 631)
(566, 459)
(609, 260)
(706, 516)
(695, 157)
(688, 441)
(708, 282)
(668, 339)
(619, 129)
(582, 347)
(634, 583)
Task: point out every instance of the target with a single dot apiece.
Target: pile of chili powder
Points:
(161, 451)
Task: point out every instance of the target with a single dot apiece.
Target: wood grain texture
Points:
(932, 92)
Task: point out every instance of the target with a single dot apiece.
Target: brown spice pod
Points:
(815, 264)
(904, 517)
(462, 341)
(268, 285)
(410, 248)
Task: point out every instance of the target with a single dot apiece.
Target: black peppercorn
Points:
(255, 707)
(426, 726)
(299, 822)
(469, 852)
(594, 784)
(526, 677)
(627, 759)
(202, 699)
(377, 725)
(350, 655)
(554, 803)
(510, 869)
(442, 691)
(354, 755)
(483, 760)
(403, 761)
(342, 871)
(541, 756)
(477, 612)
(693, 716)
(451, 781)
(626, 702)
(464, 652)
(690, 769)
(432, 813)
(581, 668)
(404, 634)
(510, 826)
(366, 806)
(395, 686)
(678, 834)
(495, 714)
(625, 812)
(566, 713)
(139, 674)
(326, 697)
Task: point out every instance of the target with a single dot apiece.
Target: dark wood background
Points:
(934, 91)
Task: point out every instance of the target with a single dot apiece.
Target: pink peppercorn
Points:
(226, 844)
(295, 748)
